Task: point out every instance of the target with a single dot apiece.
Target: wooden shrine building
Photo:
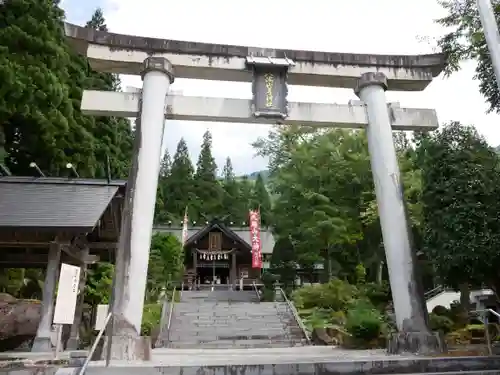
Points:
(217, 254)
(221, 254)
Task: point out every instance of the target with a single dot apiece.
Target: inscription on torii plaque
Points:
(269, 86)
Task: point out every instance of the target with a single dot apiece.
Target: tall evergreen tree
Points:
(461, 179)
(230, 192)
(245, 187)
(162, 192)
(208, 190)
(180, 182)
(260, 199)
(113, 134)
(166, 165)
(36, 110)
(228, 172)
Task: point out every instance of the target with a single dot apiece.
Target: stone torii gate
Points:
(158, 61)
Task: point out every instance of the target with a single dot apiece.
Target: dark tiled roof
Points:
(61, 180)
(54, 203)
(215, 224)
(266, 236)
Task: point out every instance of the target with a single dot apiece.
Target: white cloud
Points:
(363, 26)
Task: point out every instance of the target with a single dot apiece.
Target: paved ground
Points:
(6, 356)
(262, 356)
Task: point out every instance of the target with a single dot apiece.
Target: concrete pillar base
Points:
(41, 345)
(73, 343)
(423, 343)
(128, 348)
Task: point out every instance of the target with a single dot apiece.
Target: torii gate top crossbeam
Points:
(125, 54)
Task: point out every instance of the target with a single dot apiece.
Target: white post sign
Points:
(67, 291)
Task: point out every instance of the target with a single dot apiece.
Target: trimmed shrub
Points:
(336, 295)
(364, 323)
(440, 323)
(440, 310)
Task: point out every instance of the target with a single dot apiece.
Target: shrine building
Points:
(221, 253)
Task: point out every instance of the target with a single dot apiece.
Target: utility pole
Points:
(491, 34)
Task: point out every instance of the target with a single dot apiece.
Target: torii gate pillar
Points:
(136, 231)
(409, 307)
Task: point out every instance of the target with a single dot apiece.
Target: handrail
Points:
(256, 290)
(171, 311)
(485, 323)
(296, 316)
(94, 345)
(491, 311)
(434, 292)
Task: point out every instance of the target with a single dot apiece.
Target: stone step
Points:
(208, 337)
(236, 325)
(234, 330)
(223, 344)
(198, 322)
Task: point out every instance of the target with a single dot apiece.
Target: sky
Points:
(356, 26)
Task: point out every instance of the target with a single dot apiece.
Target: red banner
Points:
(255, 239)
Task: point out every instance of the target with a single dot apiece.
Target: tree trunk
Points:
(380, 272)
(464, 304)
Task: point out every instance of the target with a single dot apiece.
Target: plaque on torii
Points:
(269, 86)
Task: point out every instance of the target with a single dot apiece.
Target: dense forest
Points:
(317, 195)
(205, 192)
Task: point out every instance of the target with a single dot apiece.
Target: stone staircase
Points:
(231, 319)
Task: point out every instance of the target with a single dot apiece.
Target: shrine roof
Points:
(266, 237)
(55, 203)
(217, 225)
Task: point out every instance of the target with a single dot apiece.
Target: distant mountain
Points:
(253, 176)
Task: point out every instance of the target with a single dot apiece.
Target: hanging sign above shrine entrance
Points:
(212, 255)
(209, 256)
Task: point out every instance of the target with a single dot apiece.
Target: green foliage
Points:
(269, 279)
(42, 85)
(336, 295)
(324, 206)
(440, 323)
(440, 310)
(236, 195)
(364, 323)
(23, 283)
(36, 110)
(260, 200)
(283, 262)
(151, 317)
(360, 274)
(166, 263)
(378, 294)
(268, 294)
(177, 186)
(163, 191)
(461, 182)
(208, 190)
(339, 306)
(206, 195)
(11, 281)
(99, 282)
(465, 41)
